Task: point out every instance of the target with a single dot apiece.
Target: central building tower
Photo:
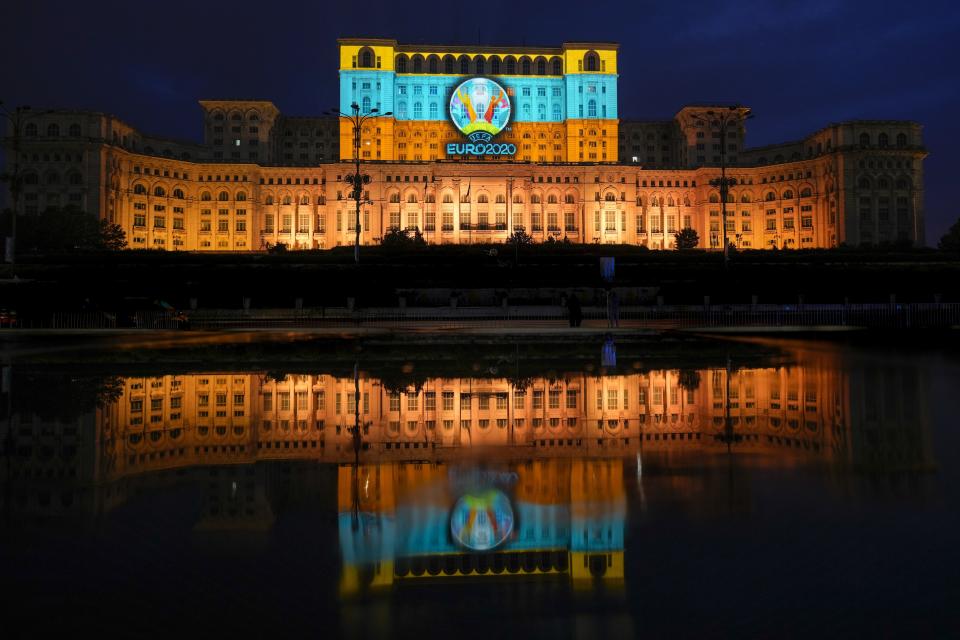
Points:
(563, 101)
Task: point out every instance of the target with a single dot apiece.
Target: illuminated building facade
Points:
(560, 455)
(553, 157)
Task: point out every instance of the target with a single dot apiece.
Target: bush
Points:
(686, 238)
(520, 237)
(951, 239)
(403, 239)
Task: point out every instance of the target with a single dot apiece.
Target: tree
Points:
(403, 239)
(66, 230)
(951, 239)
(520, 237)
(686, 238)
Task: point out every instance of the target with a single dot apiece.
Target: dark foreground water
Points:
(810, 493)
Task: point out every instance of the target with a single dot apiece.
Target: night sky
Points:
(799, 65)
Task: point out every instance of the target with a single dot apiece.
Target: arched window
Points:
(417, 110)
(448, 64)
(541, 67)
(501, 199)
(745, 197)
(53, 130)
(31, 178)
(321, 199)
(433, 64)
(864, 139)
(670, 201)
(526, 111)
(241, 196)
(805, 192)
(591, 61)
(686, 201)
(412, 197)
(75, 130)
(557, 67)
(178, 193)
(495, 65)
(901, 139)
(447, 198)
(434, 111)
(205, 196)
(159, 191)
(366, 57)
(401, 110)
(479, 65)
(418, 63)
(592, 109)
(287, 200)
(218, 116)
(464, 65)
(551, 199)
(864, 183)
(31, 130)
(395, 197)
(770, 196)
(511, 65)
(304, 199)
(223, 196)
(517, 198)
(401, 63)
(76, 178)
(139, 189)
(654, 202)
(365, 104)
(903, 183)
(610, 197)
(268, 200)
(534, 199)
(541, 112)
(883, 140)
(525, 66)
(482, 198)
(788, 195)
(556, 112)
(714, 197)
(569, 199)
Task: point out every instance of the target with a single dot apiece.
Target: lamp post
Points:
(17, 118)
(357, 179)
(723, 119)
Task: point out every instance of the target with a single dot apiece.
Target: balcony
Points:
(482, 226)
(447, 228)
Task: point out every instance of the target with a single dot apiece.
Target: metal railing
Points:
(876, 316)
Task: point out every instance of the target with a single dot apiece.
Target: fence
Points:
(879, 316)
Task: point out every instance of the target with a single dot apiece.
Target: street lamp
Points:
(357, 179)
(17, 118)
(722, 119)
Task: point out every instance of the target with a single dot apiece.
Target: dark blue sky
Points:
(798, 64)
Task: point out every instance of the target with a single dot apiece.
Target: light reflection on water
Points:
(474, 482)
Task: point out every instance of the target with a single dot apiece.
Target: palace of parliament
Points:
(466, 145)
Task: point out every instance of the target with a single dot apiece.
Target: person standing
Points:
(574, 310)
(613, 309)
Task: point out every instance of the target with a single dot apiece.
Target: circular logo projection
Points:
(480, 108)
(482, 521)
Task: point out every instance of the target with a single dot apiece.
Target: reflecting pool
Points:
(805, 488)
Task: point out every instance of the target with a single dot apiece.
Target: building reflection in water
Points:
(543, 463)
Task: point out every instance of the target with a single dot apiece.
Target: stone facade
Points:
(261, 178)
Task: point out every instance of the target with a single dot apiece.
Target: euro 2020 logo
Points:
(480, 109)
